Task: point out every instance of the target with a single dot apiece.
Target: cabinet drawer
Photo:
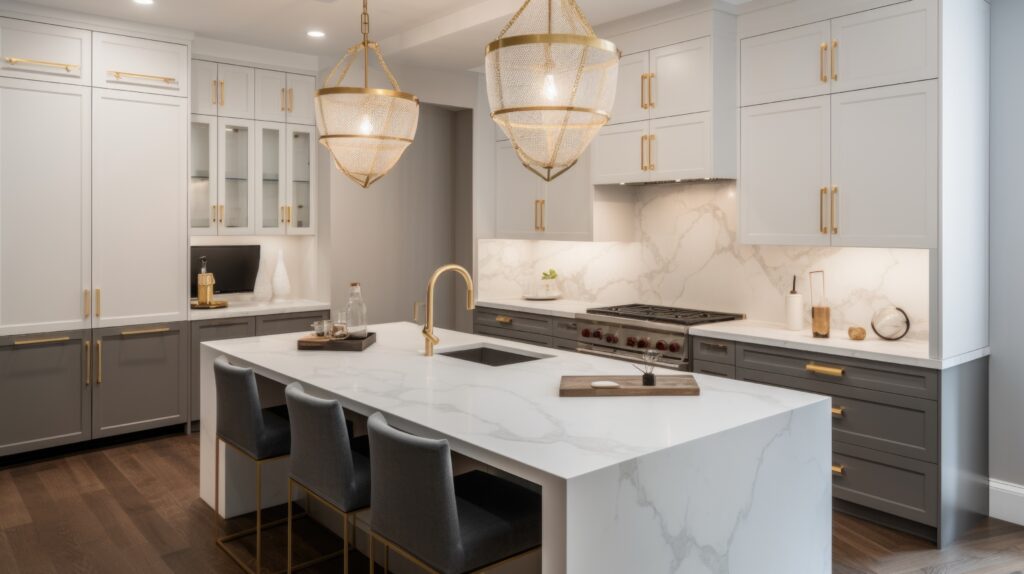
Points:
(902, 425)
(520, 336)
(565, 328)
(564, 344)
(288, 322)
(43, 52)
(524, 322)
(714, 350)
(716, 369)
(137, 65)
(885, 482)
(910, 381)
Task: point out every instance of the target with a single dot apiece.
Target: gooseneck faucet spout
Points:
(430, 339)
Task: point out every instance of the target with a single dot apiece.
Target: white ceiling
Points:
(442, 33)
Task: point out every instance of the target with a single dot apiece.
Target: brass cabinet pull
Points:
(835, 223)
(643, 95)
(719, 346)
(291, 100)
(288, 218)
(99, 362)
(282, 214)
(119, 75)
(132, 333)
(643, 147)
(220, 209)
(543, 208)
(536, 215)
(835, 69)
(650, 151)
(86, 304)
(88, 362)
(98, 301)
(222, 93)
(27, 342)
(213, 92)
(213, 219)
(823, 49)
(838, 470)
(824, 370)
(503, 319)
(15, 61)
(282, 99)
(821, 211)
(650, 90)
(839, 412)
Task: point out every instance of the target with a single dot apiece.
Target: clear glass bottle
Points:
(356, 312)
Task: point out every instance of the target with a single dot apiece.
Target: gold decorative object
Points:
(366, 129)
(821, 314)
(857, 333)
(551, 84)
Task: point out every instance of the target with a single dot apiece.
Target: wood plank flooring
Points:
(134, 507)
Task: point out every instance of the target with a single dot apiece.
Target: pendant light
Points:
(366, 129)
(551, 84)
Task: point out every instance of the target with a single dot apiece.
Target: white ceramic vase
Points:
(282, 286)
(263, 290)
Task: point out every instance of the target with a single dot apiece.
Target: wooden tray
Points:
(314, 343)
(632, 386)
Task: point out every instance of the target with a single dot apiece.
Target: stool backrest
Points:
(321, 454)
(412, 494)
(239, 416)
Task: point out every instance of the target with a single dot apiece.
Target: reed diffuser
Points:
(651, 359)
(821, 314)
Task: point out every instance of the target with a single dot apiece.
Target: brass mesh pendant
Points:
(366, 129)
(551, 84)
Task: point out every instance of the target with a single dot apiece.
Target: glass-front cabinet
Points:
(235, 167)
(202, 182)
(270, 178)
(300, 211)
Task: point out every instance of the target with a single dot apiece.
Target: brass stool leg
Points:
(370, 552)
(345, 533)
(259, 517)
(289, 570)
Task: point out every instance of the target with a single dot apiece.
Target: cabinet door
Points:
(631, 89)
(885, 166)
(134, 64)
(141, 378)
(567, 212)
(288, 322)
(300, 208)
(271, 96)
(518, 195)
(237, 91)
(619, 154)
(205, 90)
(212, 330)
(43, 52)
(681, 81)
(202, 176)
(140, 207)
(44, 399)
(784, 172)
(300, 99)
(890, 45)
(680, 147)
(271, 177)
(45, 207)
(785, 65)
(235, 168)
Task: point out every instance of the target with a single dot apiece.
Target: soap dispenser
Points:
(205, 282)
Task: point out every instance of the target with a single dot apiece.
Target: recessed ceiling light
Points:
(315, 33)
(143, 2)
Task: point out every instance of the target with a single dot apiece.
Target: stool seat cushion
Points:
(497, 518)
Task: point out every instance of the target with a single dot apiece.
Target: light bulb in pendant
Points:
(365, 127)
(550, 90)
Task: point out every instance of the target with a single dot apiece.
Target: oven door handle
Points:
(636, 359)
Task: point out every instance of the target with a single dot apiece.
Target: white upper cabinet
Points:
(45, 207)
(890, 45)
(785, 173)
(885, 151)
(203, 202)
(567, 204)
(45, 52)
(237, 91)
(620, 153)
(679, 147)
(134, 64)
(680, 79)
(784, 65)
(205, 89)
(139, 211)
(300, 99)
(518, 193)
(630, 90)
(236, 188)
(301, 202)
(271, 174)
(271, 96)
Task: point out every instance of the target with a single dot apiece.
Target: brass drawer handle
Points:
(821, 61)
(99, 300)
(716, 346)
(119, 75)
(839, 412)
(145, 331)
(15, 61)
(503, 319)
(88, 362)
(99, 362)
(824, 370)
(838, 470)
(27, 342)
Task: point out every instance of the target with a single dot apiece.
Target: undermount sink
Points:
(492, 355)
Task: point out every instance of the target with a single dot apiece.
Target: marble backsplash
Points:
(687, 255)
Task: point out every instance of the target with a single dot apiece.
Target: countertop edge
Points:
(231, 312)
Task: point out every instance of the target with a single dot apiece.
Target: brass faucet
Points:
(428, 329)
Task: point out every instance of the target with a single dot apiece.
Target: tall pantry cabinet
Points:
(93, 130)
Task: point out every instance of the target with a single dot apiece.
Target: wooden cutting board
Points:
(315, 343)
(630, 386)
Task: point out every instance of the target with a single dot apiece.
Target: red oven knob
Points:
(661, 345)
(643, 343)
(612, 339)
(585, 332)
(630, 341)
(597, 334)
(674, 347)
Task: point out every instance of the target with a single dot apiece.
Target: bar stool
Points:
(260, 434)
(326, 462)
(441, 523)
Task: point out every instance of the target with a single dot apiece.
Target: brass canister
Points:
(205, 282)
(821, 321)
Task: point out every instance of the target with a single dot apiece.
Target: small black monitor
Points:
(233, 266)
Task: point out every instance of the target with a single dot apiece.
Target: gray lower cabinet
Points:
(288, 322)
(212, 330)
(141, 378)
(525, 327)
(44, 390)
(909, 444)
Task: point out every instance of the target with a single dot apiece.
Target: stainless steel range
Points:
(627, 331)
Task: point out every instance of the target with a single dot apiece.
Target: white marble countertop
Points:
(514, 411)
(566, 308)
(910, 352)
(243, 305)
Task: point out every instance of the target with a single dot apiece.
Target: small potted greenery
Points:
(548, 286)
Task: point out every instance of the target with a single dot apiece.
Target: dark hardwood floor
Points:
(134, 507)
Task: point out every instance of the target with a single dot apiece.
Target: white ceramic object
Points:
(605, 385)
(263, 290)
(891, 323)
(795, 311)
(282, 285)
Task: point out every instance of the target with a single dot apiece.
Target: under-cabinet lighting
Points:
(315, 33)
(144, 2)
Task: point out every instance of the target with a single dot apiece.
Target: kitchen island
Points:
(735, 480)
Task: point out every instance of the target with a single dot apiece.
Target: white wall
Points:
(1006, 315)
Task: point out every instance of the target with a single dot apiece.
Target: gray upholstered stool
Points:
(258, 433)
(326, 462)
(446, 524)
